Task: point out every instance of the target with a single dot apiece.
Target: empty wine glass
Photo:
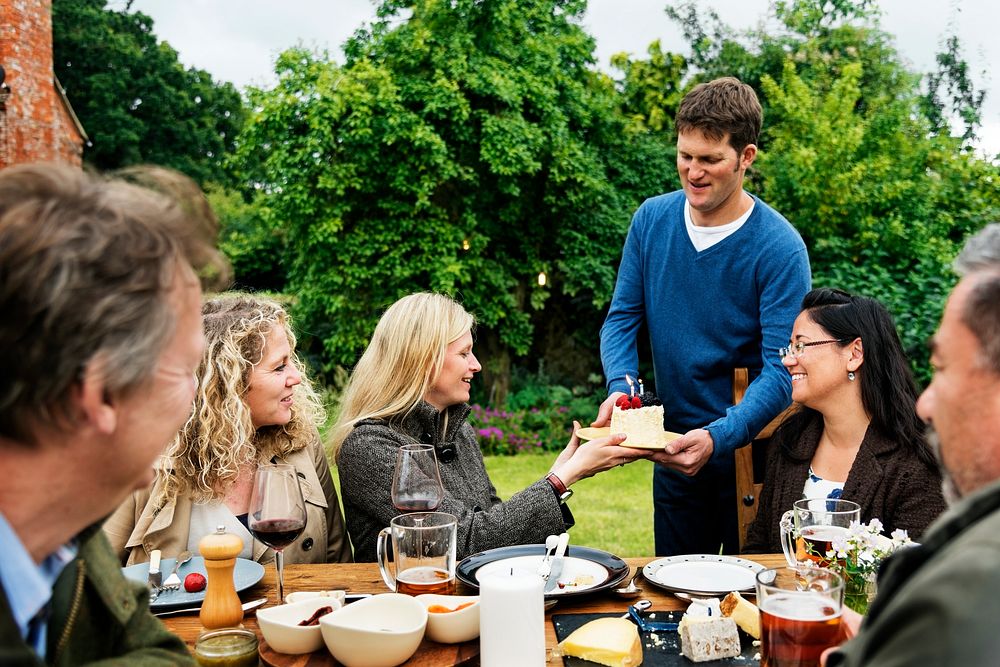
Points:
(416, 482)
(277, 512)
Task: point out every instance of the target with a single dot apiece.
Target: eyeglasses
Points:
(799, 348)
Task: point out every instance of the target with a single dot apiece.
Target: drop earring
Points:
(850, 376)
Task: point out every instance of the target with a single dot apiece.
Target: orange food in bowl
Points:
(441, 609)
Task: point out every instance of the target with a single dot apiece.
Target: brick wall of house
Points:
(35, 123)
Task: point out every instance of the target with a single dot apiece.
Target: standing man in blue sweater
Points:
(717, 276)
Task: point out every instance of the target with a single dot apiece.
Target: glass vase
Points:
(859, 590)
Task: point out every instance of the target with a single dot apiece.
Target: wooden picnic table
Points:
(365, 578)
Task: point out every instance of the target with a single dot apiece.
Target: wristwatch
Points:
(562, 493)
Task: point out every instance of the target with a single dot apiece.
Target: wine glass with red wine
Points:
(416, 482)
(277, 512)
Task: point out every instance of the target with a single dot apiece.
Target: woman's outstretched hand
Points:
(578, 461)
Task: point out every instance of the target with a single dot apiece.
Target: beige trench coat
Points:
(135, 530)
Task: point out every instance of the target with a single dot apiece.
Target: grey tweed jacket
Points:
(366, 461)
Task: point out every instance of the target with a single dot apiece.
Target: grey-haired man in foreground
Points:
(101, 333)
(938, 603)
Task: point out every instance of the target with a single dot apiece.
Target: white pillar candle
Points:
(511, 620)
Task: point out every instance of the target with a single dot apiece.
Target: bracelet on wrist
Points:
(562, 492)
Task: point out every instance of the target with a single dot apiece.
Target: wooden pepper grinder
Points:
(221, 608)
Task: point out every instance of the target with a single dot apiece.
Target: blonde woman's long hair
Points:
(219, 437)
(402, 360)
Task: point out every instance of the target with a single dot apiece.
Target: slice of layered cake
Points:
(640, 418)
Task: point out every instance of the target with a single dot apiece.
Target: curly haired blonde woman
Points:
(253, 406)
(412, 385)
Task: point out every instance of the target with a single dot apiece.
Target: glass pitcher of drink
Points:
(800, 612)
(812, 525)
(423, 548)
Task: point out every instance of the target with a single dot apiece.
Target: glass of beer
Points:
(812, 525)
(423, 548)
(799, 614)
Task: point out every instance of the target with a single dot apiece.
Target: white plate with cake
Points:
(595, 432)
(703, 574)
(585, 570)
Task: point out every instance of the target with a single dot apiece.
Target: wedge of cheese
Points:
(607, 641)
(746, 614)
(709, 638)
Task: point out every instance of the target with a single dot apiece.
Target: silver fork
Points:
(546, 565)
(173, 582)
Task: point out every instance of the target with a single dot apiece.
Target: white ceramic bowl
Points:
(380, 631)
(299, 596)
(281, 629)
(451, 627)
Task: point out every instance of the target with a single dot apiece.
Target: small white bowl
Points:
(299, 596)
(381, 631)
(451, 627)
(281, 629)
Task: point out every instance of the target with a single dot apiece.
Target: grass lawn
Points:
(613, 510)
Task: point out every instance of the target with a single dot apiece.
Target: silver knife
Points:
(247, 606)
(155, 576)
(557, 563)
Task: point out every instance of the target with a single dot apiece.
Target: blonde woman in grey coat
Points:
(412, 386)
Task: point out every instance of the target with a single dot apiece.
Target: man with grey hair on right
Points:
(101, 309)
(938, 603)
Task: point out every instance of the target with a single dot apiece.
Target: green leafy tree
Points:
(651, 89)
(250, 239)
(951, 91)
(136, 101)
(856, 187)
(467, 149)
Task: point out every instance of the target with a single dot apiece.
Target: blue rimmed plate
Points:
(246, 573)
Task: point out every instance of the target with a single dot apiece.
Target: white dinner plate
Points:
(577, 574)
(586, 570)
(703, 574)
(246, 573)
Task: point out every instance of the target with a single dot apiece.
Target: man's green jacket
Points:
(938, 603)
(97, 617)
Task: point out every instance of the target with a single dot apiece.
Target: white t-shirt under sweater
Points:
(206, 517)
(703, 238)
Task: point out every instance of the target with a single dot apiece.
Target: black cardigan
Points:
(888, 480)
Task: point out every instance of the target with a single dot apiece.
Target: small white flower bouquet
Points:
(857, 555)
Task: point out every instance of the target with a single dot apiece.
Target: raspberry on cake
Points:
(643, 424)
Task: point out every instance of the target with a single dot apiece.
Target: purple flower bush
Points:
(537, 418)
(504, 432)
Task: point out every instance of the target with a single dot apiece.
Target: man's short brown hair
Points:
(719, 107)
(86, 268)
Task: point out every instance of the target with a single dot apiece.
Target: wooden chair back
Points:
(747, 486)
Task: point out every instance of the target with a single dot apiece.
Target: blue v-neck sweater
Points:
(731, 305)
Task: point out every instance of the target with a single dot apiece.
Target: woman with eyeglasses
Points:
(857, 435)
